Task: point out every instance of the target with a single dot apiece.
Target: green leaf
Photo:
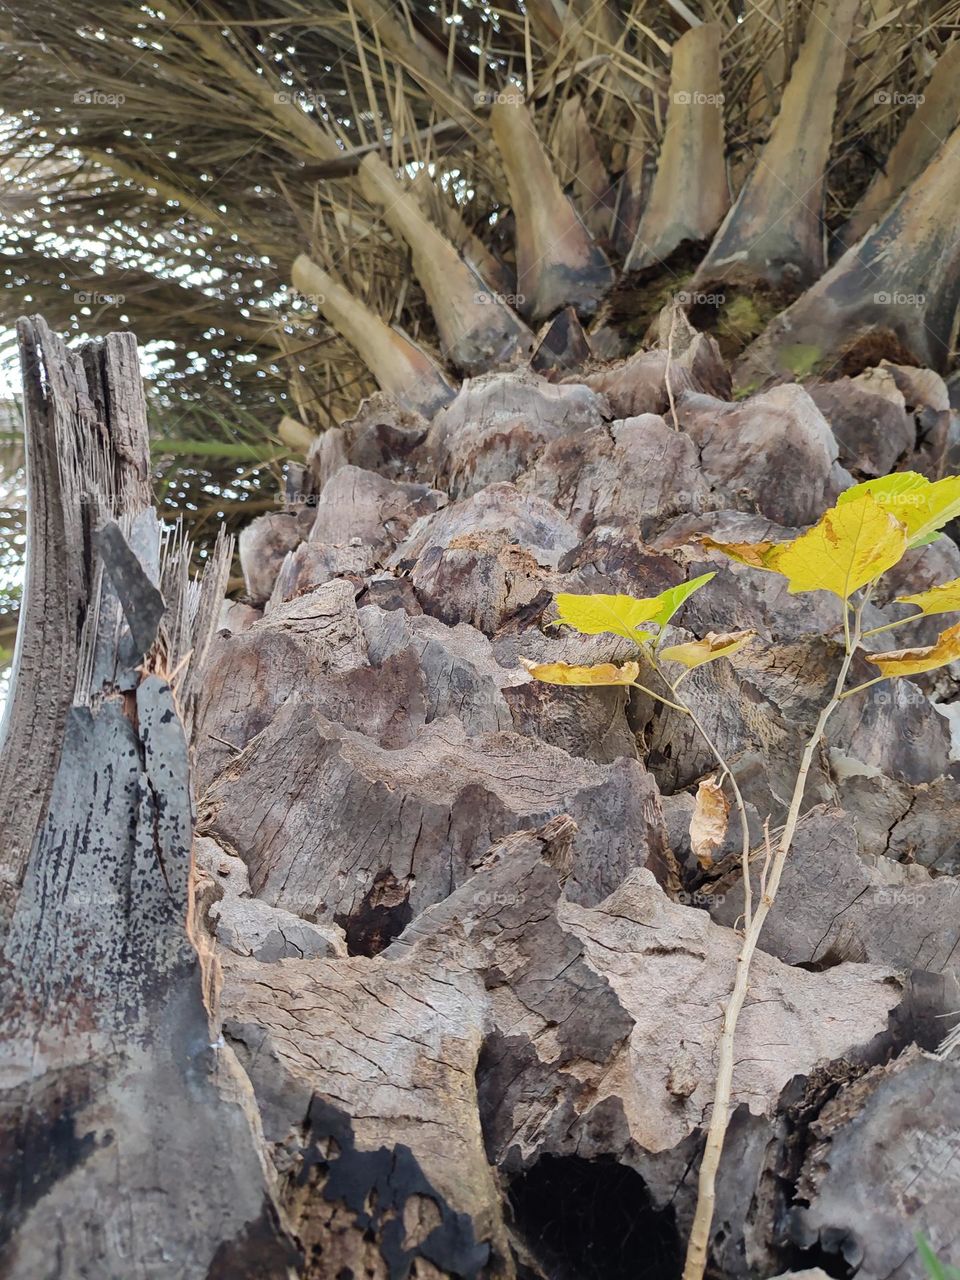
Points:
(922, 506)
(935, 1269)
(674, 597)
(598, 614)
(231, 449)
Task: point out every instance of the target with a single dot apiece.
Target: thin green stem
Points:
(699, 1242)
(859, 688)
(889, 626)
(675, 706)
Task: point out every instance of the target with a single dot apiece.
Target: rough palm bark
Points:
(449, 921)
(400, 776)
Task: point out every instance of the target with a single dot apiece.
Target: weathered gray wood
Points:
(335, 827)
(865, 908)
(130, 1144)
(76, 470)
(757, 451)
(439, 893)
(882, 1123)
(499, 424)
(637, 471)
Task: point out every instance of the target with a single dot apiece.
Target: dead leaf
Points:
(708, 826)
(713, 645)
(910, 662)
(566, 673)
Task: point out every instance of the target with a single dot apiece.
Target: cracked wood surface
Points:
(450, 918)
(370, 785)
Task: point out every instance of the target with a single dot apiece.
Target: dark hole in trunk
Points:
(593, 1220)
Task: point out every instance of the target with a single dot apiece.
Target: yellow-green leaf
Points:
(674, 597)
(850, 545)
(597, 614)
(713, 645)
(910, 662)
(921, 505)
(566, 673)
(944, 598)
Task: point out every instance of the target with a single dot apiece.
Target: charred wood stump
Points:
(131, 1147)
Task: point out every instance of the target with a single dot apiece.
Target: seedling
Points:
(935, 1269)
(846, 553)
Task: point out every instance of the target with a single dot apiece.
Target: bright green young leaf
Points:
(593, 615)
(889, 491)
(674, 597)
(910, 662)
(921, 505)
(944, 598)
(935, 1269)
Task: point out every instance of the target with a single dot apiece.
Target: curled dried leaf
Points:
(753, 554)
(910, 662)
(604, 673)
(715, 644)
(708, 826)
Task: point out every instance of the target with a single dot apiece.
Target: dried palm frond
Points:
(163, 167)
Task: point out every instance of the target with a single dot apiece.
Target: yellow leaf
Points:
(921, 505)
(944, 598)
(850, 545)
(708, 826)
(565, 673)
(713, 645)
(593, 615)
(910, 662)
